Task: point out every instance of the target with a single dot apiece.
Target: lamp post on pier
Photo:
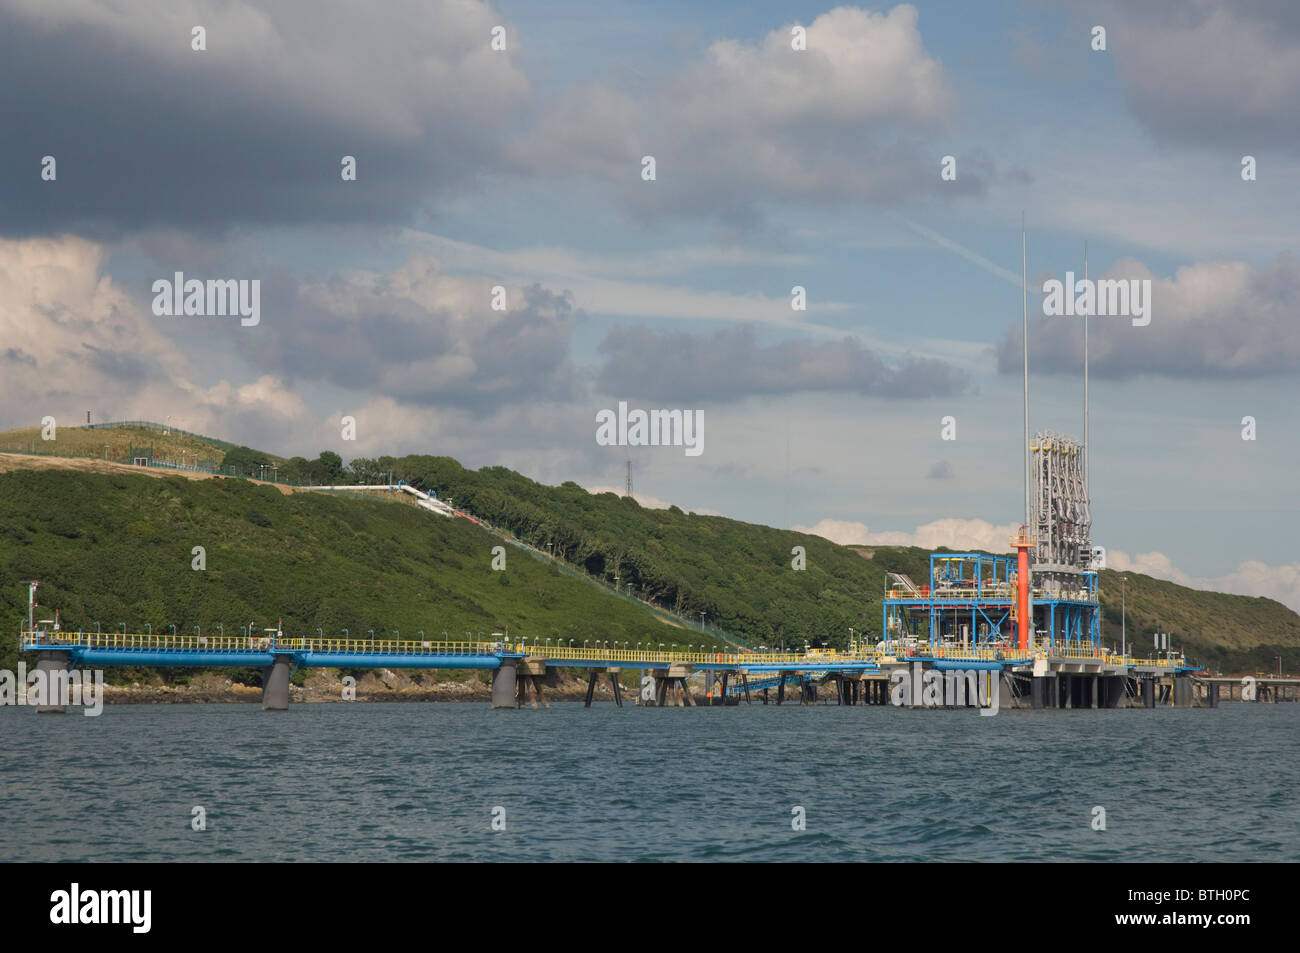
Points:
(1123, 616)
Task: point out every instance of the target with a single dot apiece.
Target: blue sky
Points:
(775, 168)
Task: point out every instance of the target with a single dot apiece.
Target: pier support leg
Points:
(591, 686)
(275, 685)
(618, 689)
(1183, 691)
(503, 684)
(1037, 688)
(1093, 687)
(744, 682)
(53, 667)
(780, 689)
(1148, 693)
(1114, 693)
(1212, 694)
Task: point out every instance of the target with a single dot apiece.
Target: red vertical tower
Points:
(1022, 543)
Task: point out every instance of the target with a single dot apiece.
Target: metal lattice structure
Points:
(1062, 522)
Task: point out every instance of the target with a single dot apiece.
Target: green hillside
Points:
(1232, 633)
(740, 574)
(117, 548)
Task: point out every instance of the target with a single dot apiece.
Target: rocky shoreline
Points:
(379, 685)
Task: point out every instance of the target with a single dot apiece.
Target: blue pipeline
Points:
(149, 657)
(198, 659)
(957, 665)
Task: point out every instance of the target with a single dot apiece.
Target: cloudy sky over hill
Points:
(523, 169)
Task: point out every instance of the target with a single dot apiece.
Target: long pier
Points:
(1041, 676)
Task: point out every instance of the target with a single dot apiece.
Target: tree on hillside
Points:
(329, 468)
(243, 461)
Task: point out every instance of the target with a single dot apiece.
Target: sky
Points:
(883, 168)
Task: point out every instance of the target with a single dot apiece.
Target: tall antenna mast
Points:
(1087, 447)
(1024, 291)
(629, 476)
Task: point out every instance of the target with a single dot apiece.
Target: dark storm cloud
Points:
(147, 132)
(419, 337)
(119, 365)
(730, 364)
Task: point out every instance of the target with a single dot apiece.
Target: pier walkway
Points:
(517, 664)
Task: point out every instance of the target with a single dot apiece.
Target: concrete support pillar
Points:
(1114, 690)
(1183, 691)
(1094, 684)
(53, 667)
(275, 685)
(504, 684)
(1037, 689)
(1212, 694)
(1149, 693)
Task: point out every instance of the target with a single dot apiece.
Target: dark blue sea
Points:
(424, 782)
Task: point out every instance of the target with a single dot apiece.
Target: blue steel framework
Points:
(979, 590)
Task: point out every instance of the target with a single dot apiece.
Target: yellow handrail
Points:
(738, 659)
